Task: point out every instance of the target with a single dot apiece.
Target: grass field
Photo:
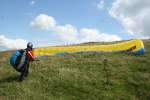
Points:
(79, 77)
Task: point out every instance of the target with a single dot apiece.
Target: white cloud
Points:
(69, 33)
(66, 29)
(43, 22)
(32, 2)
(9, 44)
(66, 33)
(133, 14)
(101, 4)
(88, 35)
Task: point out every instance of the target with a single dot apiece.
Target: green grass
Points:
(79, 77)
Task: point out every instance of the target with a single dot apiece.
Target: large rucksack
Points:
(16, 57)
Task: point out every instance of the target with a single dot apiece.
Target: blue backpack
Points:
(14, 57)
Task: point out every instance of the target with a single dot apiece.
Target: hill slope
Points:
(79, 77)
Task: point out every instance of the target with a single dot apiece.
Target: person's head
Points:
(29, 45)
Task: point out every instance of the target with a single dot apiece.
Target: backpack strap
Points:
(22, 60)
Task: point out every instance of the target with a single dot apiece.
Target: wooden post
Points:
(106, 71)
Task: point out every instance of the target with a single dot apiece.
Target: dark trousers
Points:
(24, 71)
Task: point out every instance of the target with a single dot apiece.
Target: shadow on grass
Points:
(9, 79)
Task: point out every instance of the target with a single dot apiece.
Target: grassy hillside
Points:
(79, 77)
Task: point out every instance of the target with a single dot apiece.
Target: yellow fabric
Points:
(52, 50)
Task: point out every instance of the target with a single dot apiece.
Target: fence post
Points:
(105, 62)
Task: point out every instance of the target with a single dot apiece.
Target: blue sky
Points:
(16, 17)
